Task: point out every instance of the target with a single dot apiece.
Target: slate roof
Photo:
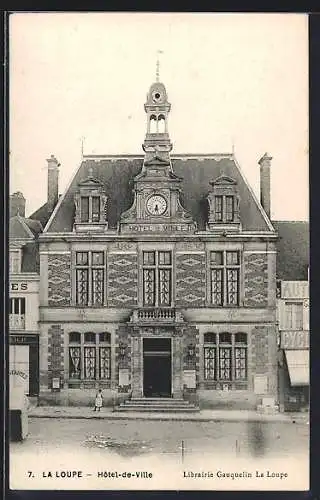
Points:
(42, 215)
(34, 225)
(23, 228)
(117, 173)
(30, 258)
(292, 250)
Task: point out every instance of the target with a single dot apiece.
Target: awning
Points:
(298, 366)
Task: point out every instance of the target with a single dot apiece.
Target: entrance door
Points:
(157, 367)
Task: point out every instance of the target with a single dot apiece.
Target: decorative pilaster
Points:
(136, 363)
(123, 358)
(177, 363)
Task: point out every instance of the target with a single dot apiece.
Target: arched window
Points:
(105, 337)
(153, 124)
(161, 124)
(225, 338)
(209, 337)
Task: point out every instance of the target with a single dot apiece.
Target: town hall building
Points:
(157, 278)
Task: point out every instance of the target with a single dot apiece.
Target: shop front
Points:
(24, 363)
(294, 370)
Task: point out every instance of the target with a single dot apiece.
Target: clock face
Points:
(156, 96)
(156, 205)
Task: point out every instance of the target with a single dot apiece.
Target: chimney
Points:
(265, 163)
(17, 204)
(53, 182)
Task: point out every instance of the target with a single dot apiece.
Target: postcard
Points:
(158, 251)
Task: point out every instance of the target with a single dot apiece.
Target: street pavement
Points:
(71, 412)
(112, 441)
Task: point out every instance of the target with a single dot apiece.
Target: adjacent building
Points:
(23, 298)
(293, 314)
(158, 277)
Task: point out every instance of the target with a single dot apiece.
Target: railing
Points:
(156, 314)
(17, 322)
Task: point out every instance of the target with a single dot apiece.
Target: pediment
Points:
(90, 182)
(223, 180)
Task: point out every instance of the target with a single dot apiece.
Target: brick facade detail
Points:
(190, 280)
(55, 354)
(59, 279)
(255, 280)
(122, 280)
(260, 347)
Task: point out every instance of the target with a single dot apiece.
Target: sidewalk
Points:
(70, 412)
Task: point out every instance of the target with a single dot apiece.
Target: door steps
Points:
(161, 405)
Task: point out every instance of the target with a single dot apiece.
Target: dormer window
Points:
(223, 205)
(90, 209)
(90, 202)
(224, 208)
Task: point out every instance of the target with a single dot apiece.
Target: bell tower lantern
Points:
(157, 108)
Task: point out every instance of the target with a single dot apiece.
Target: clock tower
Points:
(156, 206)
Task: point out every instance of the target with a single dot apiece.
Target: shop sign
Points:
(295, 339)
(17, 286)
(294, 289)
(18, 373)
(23, 339)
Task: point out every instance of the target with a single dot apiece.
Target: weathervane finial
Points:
(82, 144)
(158, 65)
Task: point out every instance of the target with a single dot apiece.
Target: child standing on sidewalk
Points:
(98, 401)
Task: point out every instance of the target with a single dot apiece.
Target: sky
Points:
(234, 80)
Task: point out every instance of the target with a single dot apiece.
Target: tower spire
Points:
(233, 146)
